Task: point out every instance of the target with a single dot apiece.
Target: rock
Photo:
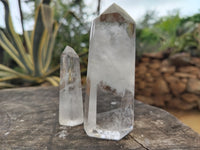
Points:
(162, 79)
(190, 69)
(166, 75)
(145, 99)
(188, 97)
(196, 61)
(160, 87)
(159, 100)
(136, 81)
(193, 86)
(142, 85)
(158, 55)
(177, 103)
(185, 75)
(171, 79)
(167, 97)
(149, 84)
(168, 69)
(145, 59)
(149, 78)
(147, 74)
(177, 87)
(141, 69)
(198, 104)
(154, 73)
(165, 63)
(154, 65)
(155, 60)
(138, 92)
(147, 92)
(180, 59)
(184, 80)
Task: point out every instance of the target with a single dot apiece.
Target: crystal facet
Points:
(108, 111)
(71, 104)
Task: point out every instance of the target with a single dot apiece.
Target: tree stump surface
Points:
(29, 121)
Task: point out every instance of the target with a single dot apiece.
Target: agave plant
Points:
(33, 54)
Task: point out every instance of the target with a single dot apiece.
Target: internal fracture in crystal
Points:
(108, 111)
(70, 99)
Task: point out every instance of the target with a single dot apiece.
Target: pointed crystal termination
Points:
(70, 100)
(108, 111)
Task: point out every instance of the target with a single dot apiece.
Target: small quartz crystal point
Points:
(70, 99)
(108, 111)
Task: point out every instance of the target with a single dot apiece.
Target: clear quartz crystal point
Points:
(70, 100)
(108, 111)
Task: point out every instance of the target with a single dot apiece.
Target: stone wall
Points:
(168, 81)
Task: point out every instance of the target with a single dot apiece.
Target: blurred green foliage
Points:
(73, 31)
(169, 33)
(74, 28)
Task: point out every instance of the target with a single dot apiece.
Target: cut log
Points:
(29, 121)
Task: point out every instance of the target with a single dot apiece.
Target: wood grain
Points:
(29, 121)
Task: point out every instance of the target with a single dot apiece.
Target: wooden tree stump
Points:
(29, 121)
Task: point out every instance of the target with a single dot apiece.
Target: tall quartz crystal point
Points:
(71, 104)
(108, 111)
